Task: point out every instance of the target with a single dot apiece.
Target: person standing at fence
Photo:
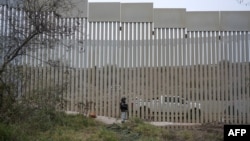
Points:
(124, 109)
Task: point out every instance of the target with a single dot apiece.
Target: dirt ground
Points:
(206, 132)
(109, 120)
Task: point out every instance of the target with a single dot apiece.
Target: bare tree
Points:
(244, 2)
(28, 26)
(31, 25)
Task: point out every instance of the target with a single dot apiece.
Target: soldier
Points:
(124, 109)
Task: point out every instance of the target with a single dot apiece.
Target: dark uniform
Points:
(124, 109)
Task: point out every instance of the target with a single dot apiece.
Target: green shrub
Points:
(12, 133)
(77, 122)
(186, 135)
(5, 132)
(145, 129)
(148, 130)
(104, 135)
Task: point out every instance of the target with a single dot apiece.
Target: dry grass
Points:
(80, 128)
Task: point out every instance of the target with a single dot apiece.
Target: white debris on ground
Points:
(110, 120)
(107, 120)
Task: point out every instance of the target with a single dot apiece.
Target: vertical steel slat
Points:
(97, 70)
(220, 105)
(109, 64)
(234, 74)
(28, 58)
(180, 73)
(243, 77)
(88, 93)
(216, 76)
(159, 67)
(167, 39)
(105, 69)
(126, 57)
(225, 69)
(147, 68)
(213, 83)
(151, 68)
(200, 70)
(112, 69)
(138, 66)
(188, 72)
(71, 73)
(175, 74)
(196, 76)
(156, 78)
(220, 77)
(185, 67)
(131, 101)
(92, 67)
(24, 88)
(122, 60)
(155, 47)
(228, 70)
(67, 71)
(85, 60)
(239, 54)
(192, 73)
(173, 71)
(77, 68)
(61, 71)
(209, 76)
(203, 74)
(230, 75)
(136, 98)
(111, 99)
(115, 68)
(171, 106)
(163, 84)
(118, 63)
(239, 118)
(101, 99)
(81, 54)
(142, 67)
(248, 76)
(50, 75)
(53, 74)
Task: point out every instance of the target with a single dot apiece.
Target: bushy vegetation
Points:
(80, 128)
(137, 130)
(35, 117)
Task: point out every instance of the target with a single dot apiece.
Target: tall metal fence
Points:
(171, 65)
